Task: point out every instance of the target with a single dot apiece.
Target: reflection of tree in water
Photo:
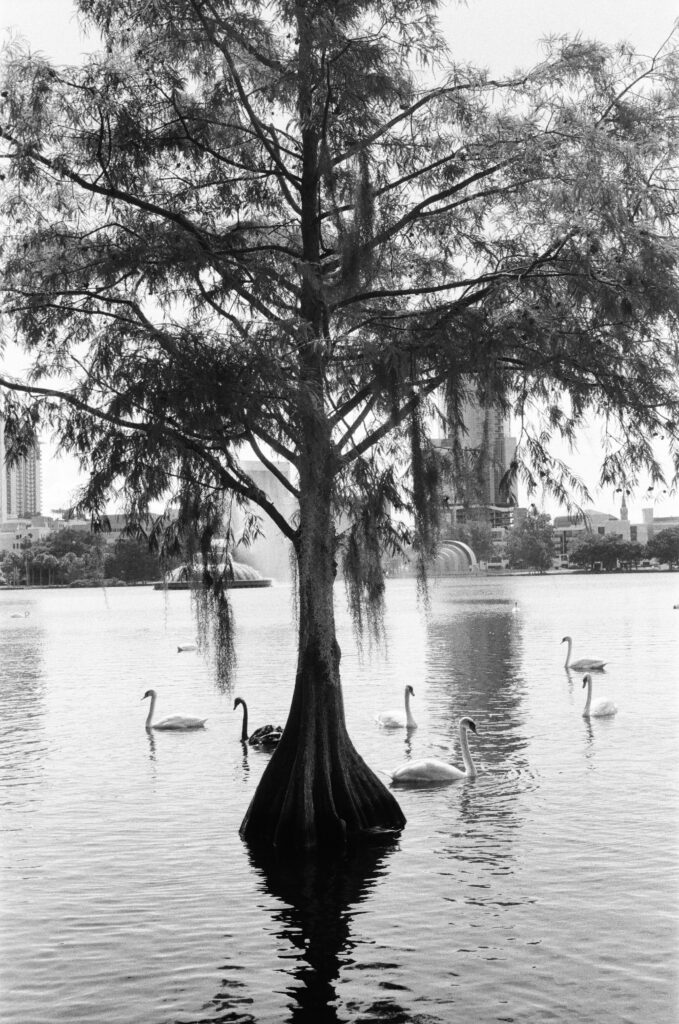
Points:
(474, 668)
(320, 897)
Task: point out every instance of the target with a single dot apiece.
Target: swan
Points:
(265, 736)
(396, 719)
(430, 770)
(185, 647)
(584, 664)
(176, 722)
(602, 708)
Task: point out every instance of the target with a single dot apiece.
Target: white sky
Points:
(499, 34)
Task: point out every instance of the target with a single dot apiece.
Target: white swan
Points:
(265, 736)
(397, 719)
(430, 770)
(176, 722)
(583, 664)
(602, 708)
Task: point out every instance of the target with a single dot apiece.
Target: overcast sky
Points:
(498, 34)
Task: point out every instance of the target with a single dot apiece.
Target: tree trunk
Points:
(317, 790)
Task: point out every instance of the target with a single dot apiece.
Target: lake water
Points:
(544, 890)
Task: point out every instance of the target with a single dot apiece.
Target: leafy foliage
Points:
(477, 533)
(664, 546)
(68, 555)
(594, 551)
(531, 543)
(62, 557)
(132, 562)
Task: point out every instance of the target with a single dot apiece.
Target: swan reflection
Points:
(152, 744)
(408, 745)
(244, 765)
(589, 743)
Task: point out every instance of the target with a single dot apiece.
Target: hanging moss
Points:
(426, 485)
(203, 534)
(373, 501)
(356, 255)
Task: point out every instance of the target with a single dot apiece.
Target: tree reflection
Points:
(474, 668)
(320, 895)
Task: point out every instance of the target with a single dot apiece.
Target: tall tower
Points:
(20, 484)
(488, 439)
(3, 476)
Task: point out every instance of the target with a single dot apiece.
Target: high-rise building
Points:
(3, 475)
(488, 451)
(20, 484)
(487, 442)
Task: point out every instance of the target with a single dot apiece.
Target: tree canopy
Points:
(297, 229)
(68, 556)
(664, 546)
(531, 544)
(594, 549)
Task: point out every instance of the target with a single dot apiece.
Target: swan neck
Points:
(244, 730)
(466, 755)
(151, 710)
(585, 713)
(409, 715)
(568, 652)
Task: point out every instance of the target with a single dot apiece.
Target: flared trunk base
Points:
(317, 791)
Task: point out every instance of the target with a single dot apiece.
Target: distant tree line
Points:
(532, 545)
(71, 557)
(607, 552)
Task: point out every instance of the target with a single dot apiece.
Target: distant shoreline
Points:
(485, 574)
(118, 584)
